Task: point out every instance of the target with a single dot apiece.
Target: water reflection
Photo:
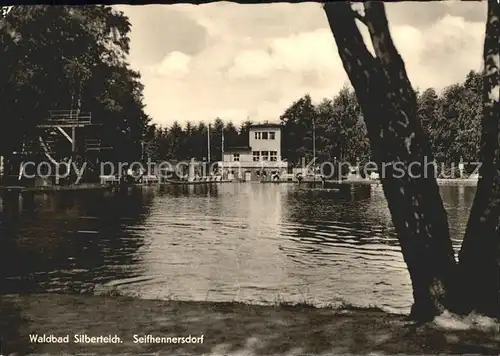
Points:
(248, 242)
(71, 241)
(457, 201)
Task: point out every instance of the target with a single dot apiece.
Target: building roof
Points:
(265, 125)
(237, 149)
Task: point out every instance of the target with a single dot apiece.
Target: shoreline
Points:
(99, 186)
(229, 328)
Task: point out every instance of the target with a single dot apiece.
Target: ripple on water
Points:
(247, 242)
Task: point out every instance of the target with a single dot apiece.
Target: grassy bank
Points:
(228, 328)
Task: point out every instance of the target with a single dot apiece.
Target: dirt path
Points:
(227, 328)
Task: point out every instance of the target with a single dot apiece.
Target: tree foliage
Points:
(69, 58)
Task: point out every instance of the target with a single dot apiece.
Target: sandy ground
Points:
(229, 328)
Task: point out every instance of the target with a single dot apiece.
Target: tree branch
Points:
(480, 253)
(356, 58)
(385, 50)
(358, 16)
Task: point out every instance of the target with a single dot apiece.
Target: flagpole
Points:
(222, 149)
(314, 150)
(208, 143)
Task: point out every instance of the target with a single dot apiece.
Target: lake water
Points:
(258, 243)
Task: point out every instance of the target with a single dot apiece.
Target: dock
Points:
(196, 182)
(281, 181)
(55, 188)
(12, 188)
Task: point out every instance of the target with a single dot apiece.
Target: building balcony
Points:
(253, 164)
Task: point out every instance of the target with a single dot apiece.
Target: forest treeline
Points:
(451, 118)
(74, 57)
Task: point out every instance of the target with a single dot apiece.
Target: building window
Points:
(274, 155)
(236, 157)
(265, 155)
(272, 135)
(256, 156)
(257, 135)
(264, 135)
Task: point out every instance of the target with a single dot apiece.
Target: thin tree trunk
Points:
(402, 152)
(479, 264)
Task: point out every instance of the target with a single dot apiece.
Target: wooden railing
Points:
(68, 117)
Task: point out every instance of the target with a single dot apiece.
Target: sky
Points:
(233, 61)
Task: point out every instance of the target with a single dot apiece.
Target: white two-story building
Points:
(261, 160)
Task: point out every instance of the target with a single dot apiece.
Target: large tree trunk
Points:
(401, 150)
(479, 264)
